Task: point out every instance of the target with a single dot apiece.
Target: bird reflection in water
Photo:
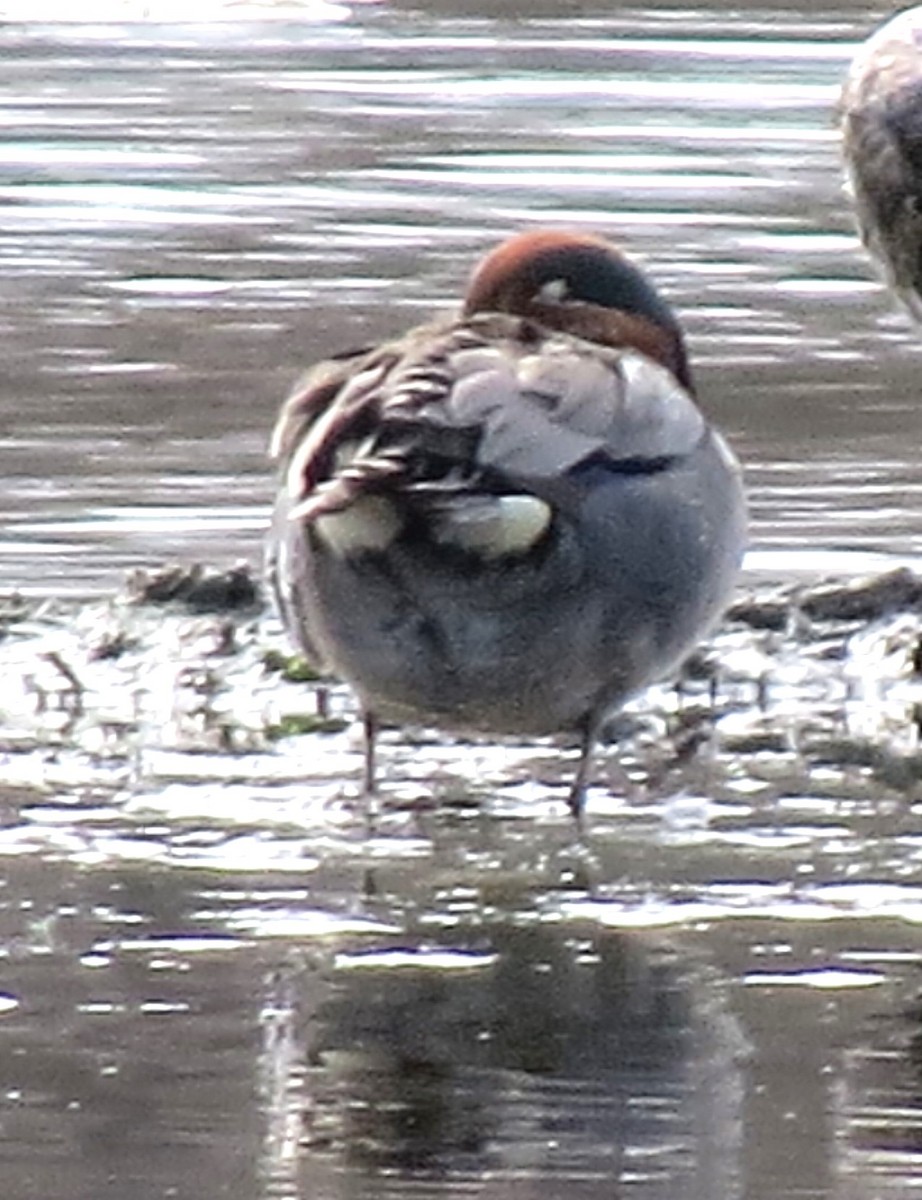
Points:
(533, 1059)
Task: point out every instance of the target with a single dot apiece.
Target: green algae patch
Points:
(294, 724)
(292, 667)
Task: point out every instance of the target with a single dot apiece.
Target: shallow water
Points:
(216, 976)
(191, 214)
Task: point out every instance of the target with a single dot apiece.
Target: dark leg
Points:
(370, 727)
(577, 797)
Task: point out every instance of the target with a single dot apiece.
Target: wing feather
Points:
(493, 405)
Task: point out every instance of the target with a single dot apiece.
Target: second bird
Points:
(881, 117)
(513, 520)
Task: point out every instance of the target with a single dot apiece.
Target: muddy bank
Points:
(186, 675)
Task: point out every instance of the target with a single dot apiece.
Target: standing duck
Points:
(881, 117)
(511, 520)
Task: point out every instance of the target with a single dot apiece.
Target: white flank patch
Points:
(494, 526)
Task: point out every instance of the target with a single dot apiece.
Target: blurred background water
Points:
(192, 213)
(208, 989)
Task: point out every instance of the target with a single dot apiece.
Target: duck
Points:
(880, 117)
(512, 519)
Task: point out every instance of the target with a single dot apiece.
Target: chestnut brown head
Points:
(583, 285)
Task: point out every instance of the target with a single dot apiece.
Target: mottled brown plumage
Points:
(881, 120)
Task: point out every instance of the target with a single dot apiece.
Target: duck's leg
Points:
(370, 731)
(577, 795)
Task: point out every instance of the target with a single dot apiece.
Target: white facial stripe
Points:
(555, 291)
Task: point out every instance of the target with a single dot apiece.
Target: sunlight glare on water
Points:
(220, 962)
(173, 11)
(200, 229)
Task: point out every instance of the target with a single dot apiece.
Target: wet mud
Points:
(186, 674)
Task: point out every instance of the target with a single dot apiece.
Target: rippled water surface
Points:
(217, 977)
(192, 213)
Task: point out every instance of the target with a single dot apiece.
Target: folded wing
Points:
(465, 426)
